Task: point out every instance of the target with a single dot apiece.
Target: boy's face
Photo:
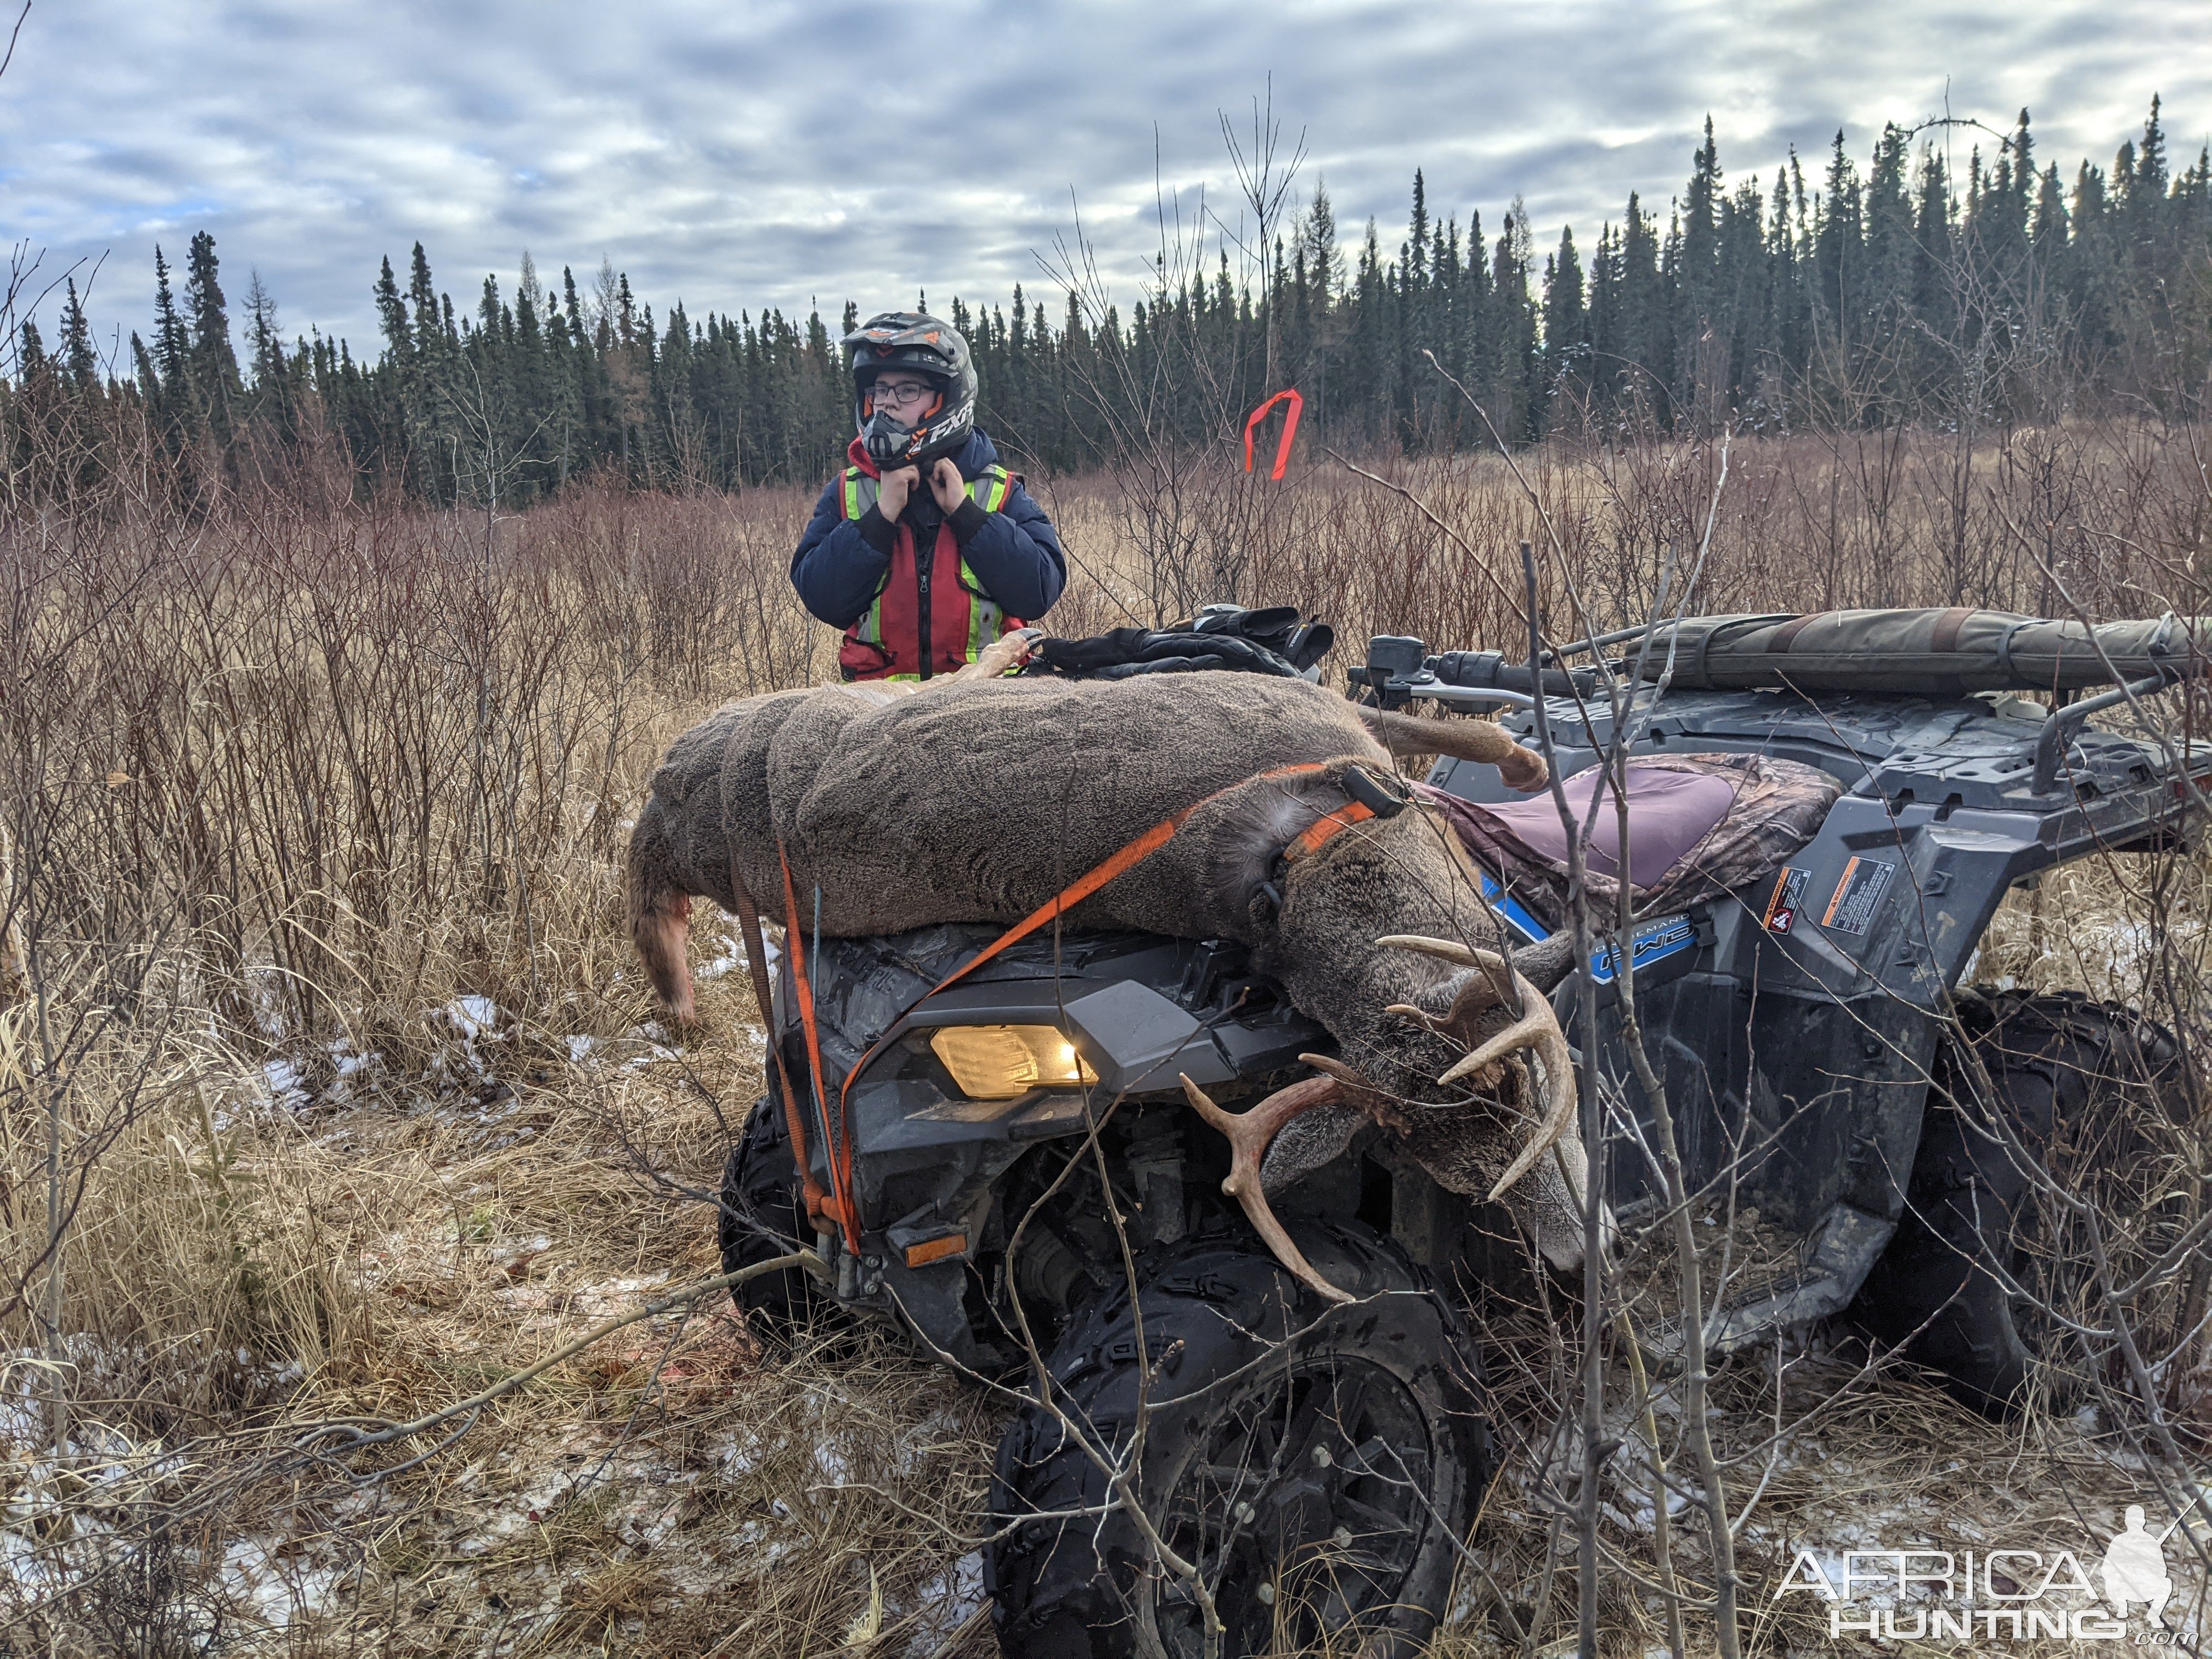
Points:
(900, 394)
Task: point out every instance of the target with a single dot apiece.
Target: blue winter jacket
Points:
(1014, 552)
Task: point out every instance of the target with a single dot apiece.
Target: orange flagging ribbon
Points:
(1289, 428)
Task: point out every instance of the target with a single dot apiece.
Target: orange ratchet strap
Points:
(838, 1203)
(1319, 832)
(757, 968)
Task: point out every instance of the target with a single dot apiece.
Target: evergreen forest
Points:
(1905, 290)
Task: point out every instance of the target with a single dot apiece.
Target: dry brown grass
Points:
(286, 784)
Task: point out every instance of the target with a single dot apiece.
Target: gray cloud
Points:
(748, 155)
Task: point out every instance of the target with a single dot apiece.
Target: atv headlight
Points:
(1004, 1063)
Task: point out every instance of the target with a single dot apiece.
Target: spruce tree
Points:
(266, 333)
(1888, 283)
(172, 350)
(80, 362)
(1839, 244)
(1520, 368)
(1644, 331)
(1740, 287)
(1317, 241)
(1698, 264)
(391, 314)
(1934, 249)
(428, 331)
(1567, 319)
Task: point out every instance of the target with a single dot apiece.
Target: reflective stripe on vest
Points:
(860, 490)
(984, 620)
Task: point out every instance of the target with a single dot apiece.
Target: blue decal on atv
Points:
(1512, 908)
(1654, 942)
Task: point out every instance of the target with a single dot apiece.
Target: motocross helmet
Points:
(918, 344)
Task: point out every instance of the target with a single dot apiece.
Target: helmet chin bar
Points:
(891, 442)
(888, 439)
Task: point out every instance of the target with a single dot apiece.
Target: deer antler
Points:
(1249, 1134)
(1537, 1029)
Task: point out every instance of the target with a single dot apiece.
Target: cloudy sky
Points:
(744, 154)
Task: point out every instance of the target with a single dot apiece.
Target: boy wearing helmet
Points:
(925, 550)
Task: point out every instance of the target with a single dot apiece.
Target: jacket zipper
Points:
(923, 565)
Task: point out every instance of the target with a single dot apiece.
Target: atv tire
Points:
(1317, 1462)
(762, 1216)
(2075, 1079)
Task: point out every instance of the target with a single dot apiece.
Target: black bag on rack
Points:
(1274, 640)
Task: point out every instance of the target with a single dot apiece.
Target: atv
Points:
(1033, 1184)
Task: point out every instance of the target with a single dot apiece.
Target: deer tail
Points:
(660, 913)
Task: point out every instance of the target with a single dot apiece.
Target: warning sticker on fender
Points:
(1851, 907)
(1782, 910)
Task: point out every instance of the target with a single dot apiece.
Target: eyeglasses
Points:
(897, 393)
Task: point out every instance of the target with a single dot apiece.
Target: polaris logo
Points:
(1654, 942)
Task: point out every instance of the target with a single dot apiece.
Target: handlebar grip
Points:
(1488, 669)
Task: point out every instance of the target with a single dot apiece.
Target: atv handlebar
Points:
(1488, 669)
(1400, 668)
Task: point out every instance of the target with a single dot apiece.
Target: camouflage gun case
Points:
(1927, 652)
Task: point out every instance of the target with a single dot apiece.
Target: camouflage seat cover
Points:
(1699, 825)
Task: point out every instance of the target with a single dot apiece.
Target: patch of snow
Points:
(658, 1046)
(521, 1253)
(728, 962)
(350, 1070)
(286, 1081)
(472, 1016)
(2125, 944)
(526, 1508)
(1465, 1603)
(475, 1020)
(1643, 1516)
(647, 1523)
(614, 1295)
(947, 1599)
(835, 1467)
(267, 989)
(274, 1589)
(741, 1456)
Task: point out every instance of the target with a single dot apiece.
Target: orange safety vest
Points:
(916, 629)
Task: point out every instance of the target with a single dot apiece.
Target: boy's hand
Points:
(892, 490)
(948, 486)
